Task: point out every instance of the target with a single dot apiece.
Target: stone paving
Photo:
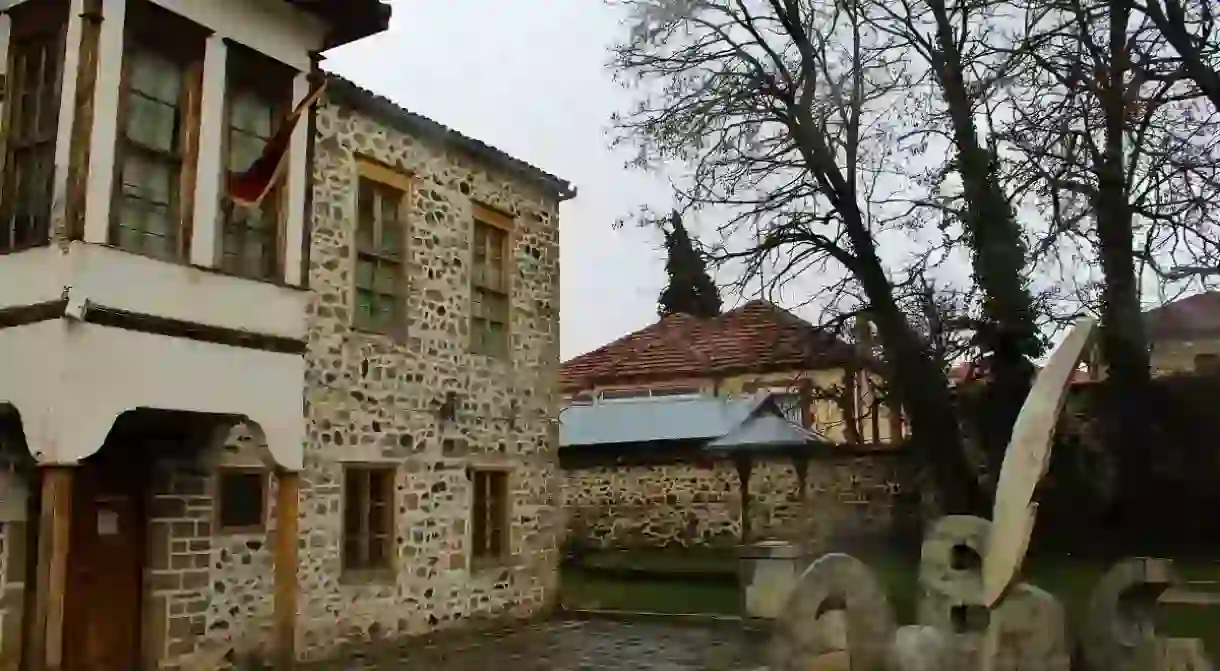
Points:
(594, 645)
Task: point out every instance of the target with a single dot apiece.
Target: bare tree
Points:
(1190, 27)
(1114, 145)
(953, 40)
(784, 113)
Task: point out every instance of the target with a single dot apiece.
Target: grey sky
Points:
(528, 77)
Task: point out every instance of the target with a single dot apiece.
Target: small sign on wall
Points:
(107, 522)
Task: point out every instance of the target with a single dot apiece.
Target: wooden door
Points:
(105, 566)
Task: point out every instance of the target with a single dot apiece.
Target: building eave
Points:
(349, 20)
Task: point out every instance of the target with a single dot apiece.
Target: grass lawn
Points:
(705, 582)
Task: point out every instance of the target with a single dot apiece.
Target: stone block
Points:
(1119, 632)
(1028, 632)
(768, 574)
(950, 571)
(838, 606)
(1181, 654)
(919, 648)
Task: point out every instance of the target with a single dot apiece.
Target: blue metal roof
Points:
(641, 420)
(762, 431)
(742, 424)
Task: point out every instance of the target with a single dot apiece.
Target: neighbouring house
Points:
(1185, 334)
(1183, 337)
(649, 494)
(321, 421)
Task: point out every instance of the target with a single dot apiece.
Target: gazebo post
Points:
(800, 463)
(744, 466)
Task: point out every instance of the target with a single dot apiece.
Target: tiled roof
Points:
(756, 337)
(970, 372)
(1196, 316)
(385, 110)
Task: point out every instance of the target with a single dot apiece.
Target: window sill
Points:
(371, 577)
(488, 564)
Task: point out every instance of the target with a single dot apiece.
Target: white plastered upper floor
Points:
(271, 27)
(70, 380)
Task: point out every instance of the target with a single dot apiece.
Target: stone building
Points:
(279, 430)
(619, 496)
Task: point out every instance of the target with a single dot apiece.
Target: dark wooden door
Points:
(105, 566)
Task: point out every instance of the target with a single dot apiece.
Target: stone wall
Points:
(369, 399)
(688, 504)
(374, 399)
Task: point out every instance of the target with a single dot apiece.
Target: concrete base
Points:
(768, 572)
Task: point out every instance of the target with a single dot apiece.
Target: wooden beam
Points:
(47, 629)
(82, 123)
(286, 529)
(744, 467)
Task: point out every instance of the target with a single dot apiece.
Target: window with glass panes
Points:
(35, 65)
(489, 295)
(490, 515)
(257, 103)
(380, 280)
(368, 518)
(148, 217)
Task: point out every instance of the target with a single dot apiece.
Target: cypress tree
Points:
(690, 289)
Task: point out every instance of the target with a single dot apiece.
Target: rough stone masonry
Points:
(372, 399)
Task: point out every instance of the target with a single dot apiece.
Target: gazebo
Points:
(762, 435)
(743, 429)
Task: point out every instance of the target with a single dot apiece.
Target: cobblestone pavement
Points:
(595, 645)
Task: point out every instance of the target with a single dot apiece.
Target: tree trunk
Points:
(921, 389)
(1009, 335)
(1123, 341)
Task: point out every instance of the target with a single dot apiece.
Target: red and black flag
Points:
(249, 188)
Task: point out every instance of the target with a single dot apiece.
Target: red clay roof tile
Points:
(757, 336)
(1196, 316)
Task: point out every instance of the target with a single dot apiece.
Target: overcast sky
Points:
(529, 77)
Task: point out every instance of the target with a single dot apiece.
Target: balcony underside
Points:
(110, 279)
(70, 380)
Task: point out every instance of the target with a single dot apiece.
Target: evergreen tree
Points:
(690, 290)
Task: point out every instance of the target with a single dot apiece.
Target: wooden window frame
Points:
(248, 70)
(495, 219)
(217, 502)
(31, 21)
(386, 571)
(481, 557)
(155, 29)
(405, 184)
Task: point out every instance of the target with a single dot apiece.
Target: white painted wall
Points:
(70, 380)
(99, 183)
(112, 278)
(298, 183)
(272, 27)
(210, 171)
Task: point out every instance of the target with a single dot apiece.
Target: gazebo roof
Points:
(765, 433)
